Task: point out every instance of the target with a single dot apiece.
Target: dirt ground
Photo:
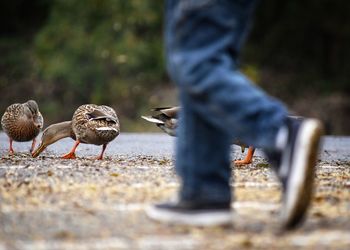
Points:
(50, 203)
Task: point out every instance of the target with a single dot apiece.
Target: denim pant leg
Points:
(203, 40)
(202, 157)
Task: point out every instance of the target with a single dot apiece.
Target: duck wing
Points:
(165, 119)
(171, 112)
(99, 114)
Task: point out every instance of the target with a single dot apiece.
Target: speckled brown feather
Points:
(95, 124)
(22, 123)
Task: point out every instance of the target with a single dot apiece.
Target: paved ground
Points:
(49, 203)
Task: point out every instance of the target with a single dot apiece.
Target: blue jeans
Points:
(219, 104)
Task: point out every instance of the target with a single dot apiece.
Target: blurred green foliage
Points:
(101, 51)
(64, 53)
(93, 51)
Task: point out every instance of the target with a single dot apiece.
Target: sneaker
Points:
(191, 213)
(295, 166)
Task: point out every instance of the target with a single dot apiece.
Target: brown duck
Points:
(166, 119)
(91, 124)
(22, 122)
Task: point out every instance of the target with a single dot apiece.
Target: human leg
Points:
(203, 163)
(203, 41)
(202, 157)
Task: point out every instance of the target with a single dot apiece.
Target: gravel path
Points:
(50, 203)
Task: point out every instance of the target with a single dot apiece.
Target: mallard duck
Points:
(91, 124)
(22, 122)
(166, 119)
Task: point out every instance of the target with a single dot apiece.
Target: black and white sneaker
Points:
(191, 213)
(295, 166)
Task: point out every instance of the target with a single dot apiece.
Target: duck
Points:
(166, 118)
(22, 122)
(90, 124)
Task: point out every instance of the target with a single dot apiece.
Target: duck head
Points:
(32, 112)
(32, 106)
(52, 134)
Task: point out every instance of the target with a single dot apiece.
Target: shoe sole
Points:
(299, 188)
(206, 219)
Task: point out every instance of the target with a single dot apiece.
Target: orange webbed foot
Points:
(70, 155)
(11, 151)
(242, 162)
(100, 157)
(248, 159)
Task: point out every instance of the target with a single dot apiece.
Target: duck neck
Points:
(62, 130)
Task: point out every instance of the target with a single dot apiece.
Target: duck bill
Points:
(38, 151)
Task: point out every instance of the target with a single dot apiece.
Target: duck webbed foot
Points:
(100, 157)
(248, 158)
(71, 154)
(11, 151)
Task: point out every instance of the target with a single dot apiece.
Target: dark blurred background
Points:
(64, 53)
